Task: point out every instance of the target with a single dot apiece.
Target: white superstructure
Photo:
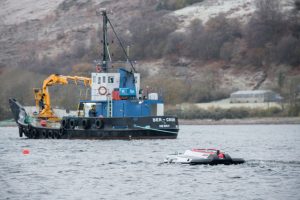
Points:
(103, 84)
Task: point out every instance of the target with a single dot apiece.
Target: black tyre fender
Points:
(60, 133)
(44, 133)
(50, 134)
(29, 134)
(99, 123)
(20, 131)
(55, 134)
(25, 131)
(72, 123)
(64, 123)
(86, 123)
(34, 133)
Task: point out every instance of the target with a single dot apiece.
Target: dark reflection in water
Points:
(91, 169)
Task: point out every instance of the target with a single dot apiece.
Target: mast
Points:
(105, 57)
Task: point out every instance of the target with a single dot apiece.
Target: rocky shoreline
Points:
(246, 121)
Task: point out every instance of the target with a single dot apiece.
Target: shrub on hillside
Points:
(178, 91)
(294, 110)
(207, 42)
(150, 35)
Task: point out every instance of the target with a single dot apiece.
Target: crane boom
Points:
(42, 96)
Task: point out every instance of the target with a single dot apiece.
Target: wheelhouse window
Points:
(99, 80)
(110, 79)
(103, 79)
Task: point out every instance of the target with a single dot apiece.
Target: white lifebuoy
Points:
(102, 90)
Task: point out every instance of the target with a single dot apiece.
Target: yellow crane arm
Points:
(42, 96)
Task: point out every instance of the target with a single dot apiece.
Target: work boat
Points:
(118, 107)
(203, 157)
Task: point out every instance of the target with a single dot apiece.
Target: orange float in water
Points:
(25, 151)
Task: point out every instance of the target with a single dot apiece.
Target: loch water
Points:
(116, 169)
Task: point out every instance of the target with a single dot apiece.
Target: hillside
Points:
(49, 29)
(241, 9)
(208, 48)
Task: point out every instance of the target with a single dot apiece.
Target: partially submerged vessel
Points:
(203, 157)
(118, 108)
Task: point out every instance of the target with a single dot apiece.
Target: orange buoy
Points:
(25, 151)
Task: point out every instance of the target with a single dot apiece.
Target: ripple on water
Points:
(91, 169)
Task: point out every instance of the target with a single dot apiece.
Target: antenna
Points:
(106, 56)
(105, 42)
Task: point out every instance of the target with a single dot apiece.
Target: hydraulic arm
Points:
(42, 96)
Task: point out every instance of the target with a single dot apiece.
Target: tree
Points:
(297, 4)
(293, 93)
(149, 34)
(206, 42)
(267, 24)
(281, 79)
(287, 50)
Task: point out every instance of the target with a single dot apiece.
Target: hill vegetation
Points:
(270, 36)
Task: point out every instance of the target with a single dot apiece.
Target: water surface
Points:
(93, 169)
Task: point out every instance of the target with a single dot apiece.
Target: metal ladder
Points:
(109, 106)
